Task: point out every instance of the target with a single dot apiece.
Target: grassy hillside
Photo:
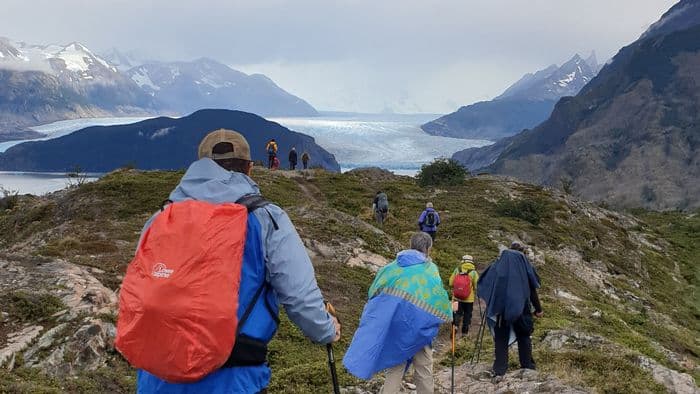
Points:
(628, 282)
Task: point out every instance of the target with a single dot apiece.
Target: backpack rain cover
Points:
(179, 299)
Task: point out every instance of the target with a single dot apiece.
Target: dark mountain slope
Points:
(160, 143)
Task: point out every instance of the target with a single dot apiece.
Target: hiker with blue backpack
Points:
(429, 220)
(199, 303)
(463, 282)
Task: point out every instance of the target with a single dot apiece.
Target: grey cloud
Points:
(398, 45)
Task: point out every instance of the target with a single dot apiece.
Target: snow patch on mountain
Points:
(74, 58)
(141, 77)
(78, 58)
(565, 81)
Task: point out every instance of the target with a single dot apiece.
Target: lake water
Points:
(36, 183)
(393, 142)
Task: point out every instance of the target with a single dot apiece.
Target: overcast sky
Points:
(355, 55)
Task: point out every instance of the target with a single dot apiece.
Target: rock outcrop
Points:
(74, 338)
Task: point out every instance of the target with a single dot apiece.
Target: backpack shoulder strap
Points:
(254, 202)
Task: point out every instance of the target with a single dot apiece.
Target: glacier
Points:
(392, 142)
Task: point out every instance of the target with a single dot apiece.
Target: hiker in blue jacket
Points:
(274, 259)
(429, 220)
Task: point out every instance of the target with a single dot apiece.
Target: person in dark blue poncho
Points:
(508, 286)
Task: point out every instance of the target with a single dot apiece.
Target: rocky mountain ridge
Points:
(630, 138)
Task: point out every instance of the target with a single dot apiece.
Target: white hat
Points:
(468, 258)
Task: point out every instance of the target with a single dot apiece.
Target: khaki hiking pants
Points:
(423, 377)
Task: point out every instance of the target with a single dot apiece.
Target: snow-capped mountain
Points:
(45, 83)
(184, 87)
(554, 82)
(73, 61)
(125, 60)
(525, 104)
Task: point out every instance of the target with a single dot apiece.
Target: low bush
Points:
(442, 172)
(8, 198)
(25, 306)
(532, 211)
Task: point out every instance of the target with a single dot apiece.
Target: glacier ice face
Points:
(394, 142)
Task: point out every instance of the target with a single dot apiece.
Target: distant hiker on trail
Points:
(271, 149)
(275, 163)
(407, 304)
(508, 286)
(463, 282)
(305, 159)
(293, 159)
(212, 267)
(429, 220)
(380, 206)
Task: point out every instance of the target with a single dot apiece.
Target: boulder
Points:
(17, 342)
(674, 381)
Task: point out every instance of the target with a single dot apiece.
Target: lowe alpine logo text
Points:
(161, 271)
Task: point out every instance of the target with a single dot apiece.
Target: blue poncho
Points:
(505, 286)
(406, 307)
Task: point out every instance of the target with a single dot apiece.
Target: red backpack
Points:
(179, 299)
(462, 285)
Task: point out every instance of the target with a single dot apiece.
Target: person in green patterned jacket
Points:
(407, 304)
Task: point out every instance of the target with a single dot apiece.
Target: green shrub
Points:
(27, 306)
(567, 185)
(529, 210)
(442, 172)
(8, 198)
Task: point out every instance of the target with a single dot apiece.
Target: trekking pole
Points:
(452, 384)
(479, 337)
(334, 373)
(329, 350)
